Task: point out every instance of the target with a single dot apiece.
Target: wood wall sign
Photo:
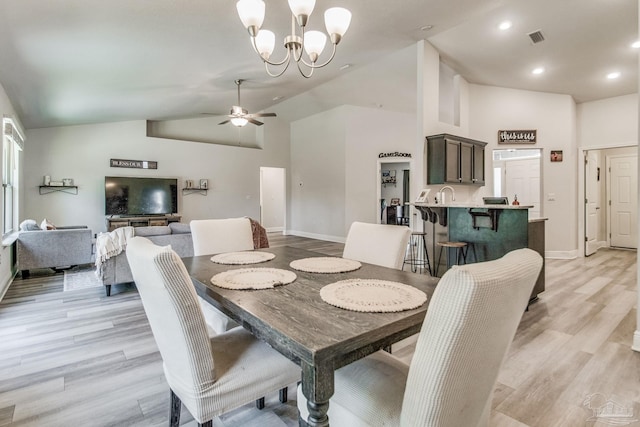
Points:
(517, 136)
(135, 164)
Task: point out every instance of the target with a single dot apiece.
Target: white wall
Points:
(371, 132)
(610, 122)
(318, 175)
(554, 116)
(83, 153)
(337, 167)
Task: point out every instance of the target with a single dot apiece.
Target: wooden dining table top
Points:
(295, 321)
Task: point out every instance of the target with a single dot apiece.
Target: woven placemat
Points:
(244, 257)
(372, 295)
(325, 265)
(253, 278)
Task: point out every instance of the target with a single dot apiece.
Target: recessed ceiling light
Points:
(537, 70)
(277, 98)
(613, 75)
(426, 27)
(636, 45)
(345, 66)
(505, 25)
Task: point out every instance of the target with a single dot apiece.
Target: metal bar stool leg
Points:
(426, 255)
(437, 267)
(414, 253)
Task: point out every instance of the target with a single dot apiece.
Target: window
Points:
(12, 144)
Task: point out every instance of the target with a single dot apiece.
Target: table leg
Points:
(317, 387)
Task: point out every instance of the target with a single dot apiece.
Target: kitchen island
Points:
(489, 230)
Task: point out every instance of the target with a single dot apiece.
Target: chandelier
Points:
(336, 19)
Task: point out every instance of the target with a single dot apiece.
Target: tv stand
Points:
(140, 221)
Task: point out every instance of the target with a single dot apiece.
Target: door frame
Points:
(380, 162)
(581, 189)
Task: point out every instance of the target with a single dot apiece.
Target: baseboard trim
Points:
(336, 239)
(561, 254)
(636, 341)
(274, 229)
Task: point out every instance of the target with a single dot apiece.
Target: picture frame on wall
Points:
(204, 184)
(556, 155)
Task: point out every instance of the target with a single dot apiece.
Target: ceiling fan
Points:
(240, 117)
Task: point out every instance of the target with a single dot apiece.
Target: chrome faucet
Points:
(441, 192)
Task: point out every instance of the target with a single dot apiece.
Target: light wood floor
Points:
(78, 358)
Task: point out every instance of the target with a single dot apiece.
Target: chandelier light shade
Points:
(336, 19)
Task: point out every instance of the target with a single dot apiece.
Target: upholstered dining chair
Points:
(209, 375)
(379, 244)
(470, 323)
(216, 236)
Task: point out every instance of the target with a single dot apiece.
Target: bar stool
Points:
(461, 252)
(418, 257)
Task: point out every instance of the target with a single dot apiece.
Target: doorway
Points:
(610, 198)
(393, 192)
(273, 198)
(517, 173)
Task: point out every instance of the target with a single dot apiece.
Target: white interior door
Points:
(272, 198)
(522, 178)
(623, 201)
(592, 203)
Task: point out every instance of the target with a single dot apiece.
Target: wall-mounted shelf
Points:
(201, 191)
(46, 189)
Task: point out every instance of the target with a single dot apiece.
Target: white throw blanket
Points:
(111, 244)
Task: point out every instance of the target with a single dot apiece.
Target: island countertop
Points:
(469, 205)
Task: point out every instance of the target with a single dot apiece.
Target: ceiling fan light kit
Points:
(337, 20)
(239, 116)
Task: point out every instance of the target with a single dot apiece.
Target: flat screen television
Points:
(126, 195)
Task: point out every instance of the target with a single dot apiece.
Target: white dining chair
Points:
(379, 244)
(216, 236)
(470, 322)
(209, 375)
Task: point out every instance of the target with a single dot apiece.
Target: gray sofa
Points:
(63, 247)
(115, 270)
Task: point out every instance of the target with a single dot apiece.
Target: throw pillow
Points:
(29, 225)
(47, 225)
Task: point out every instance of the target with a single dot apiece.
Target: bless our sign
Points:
(135, 164)
(517, 136)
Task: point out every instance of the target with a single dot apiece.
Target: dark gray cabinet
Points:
(455, 160)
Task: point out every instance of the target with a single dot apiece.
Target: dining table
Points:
(294, 319)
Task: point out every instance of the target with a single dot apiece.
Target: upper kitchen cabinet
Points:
(455, 160)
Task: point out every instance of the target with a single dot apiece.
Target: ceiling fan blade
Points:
(225, 122)
(255, 122)
(264, 115)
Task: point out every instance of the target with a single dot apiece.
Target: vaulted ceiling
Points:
(90, 61)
